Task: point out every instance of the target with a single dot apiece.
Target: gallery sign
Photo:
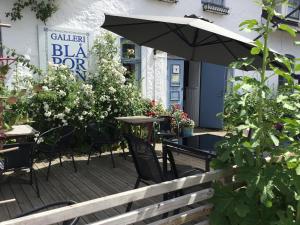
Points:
(61, 46)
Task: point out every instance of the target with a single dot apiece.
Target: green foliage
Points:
(115, 95)
(58, 99)
(263, 140)
(43, 9)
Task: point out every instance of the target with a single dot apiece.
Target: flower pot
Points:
(12, 100)
(187, 131)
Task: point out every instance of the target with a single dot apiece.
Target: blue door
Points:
(212, 91)
(175, 81)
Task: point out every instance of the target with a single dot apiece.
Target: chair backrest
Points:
(145, 159)
(65, 137)
(21, 158)
(165, 125)
(55, 204)
(103, 132)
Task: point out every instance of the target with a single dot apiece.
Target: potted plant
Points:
(187, 125)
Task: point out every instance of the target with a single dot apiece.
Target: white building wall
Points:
(89, 15)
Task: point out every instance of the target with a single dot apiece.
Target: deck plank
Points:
(91, 181)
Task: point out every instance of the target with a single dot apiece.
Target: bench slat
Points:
(158, 209)
(99, 204)
(187, 216)
(206, 222)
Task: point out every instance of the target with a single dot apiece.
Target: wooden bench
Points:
(197, 215)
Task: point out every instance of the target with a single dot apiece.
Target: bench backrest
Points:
(99, 204)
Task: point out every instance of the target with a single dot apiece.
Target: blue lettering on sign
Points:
(75, 59)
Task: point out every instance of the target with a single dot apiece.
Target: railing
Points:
(99, 204)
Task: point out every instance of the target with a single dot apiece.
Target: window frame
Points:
(136, 61)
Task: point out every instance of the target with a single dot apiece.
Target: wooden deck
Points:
(91, 181)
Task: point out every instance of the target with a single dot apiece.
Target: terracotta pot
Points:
(12, 100)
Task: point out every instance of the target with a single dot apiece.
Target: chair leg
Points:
(36, 184)
(137, 183)
(73, 161)
(112, 158)
(124, 154)
(60, 161)
(48, 170)
(89, 157)
(31, 172)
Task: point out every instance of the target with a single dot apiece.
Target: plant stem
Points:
(260, 109)
(298, 213)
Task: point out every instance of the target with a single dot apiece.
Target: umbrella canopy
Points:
(189, 38)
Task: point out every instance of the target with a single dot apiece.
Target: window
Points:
(131, 58)
(215, 6)
(215, 2)
(292, 5)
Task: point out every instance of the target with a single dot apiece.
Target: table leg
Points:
(165, 159)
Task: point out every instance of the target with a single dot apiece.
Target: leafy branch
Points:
(43, 9)
(268, 157)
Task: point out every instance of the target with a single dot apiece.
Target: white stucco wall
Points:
(89, 15)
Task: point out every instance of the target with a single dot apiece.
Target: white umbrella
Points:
(189, 38)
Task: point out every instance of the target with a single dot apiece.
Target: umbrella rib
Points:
(160, 35)
(129, 24)
(228, 49)
(181, 35)
(204, 39)
(213, 43)
(194, 42)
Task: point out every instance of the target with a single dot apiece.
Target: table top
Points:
(139, 119)
(20, 131)
(204, 143)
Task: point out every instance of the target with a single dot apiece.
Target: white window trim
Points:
(284, 11)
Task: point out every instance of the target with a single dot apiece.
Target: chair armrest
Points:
(7, 201)
(9, 150)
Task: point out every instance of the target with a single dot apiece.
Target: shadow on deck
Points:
(91, 181)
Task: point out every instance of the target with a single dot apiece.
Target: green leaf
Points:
(288, 29)
(298, 170)
(242, 210)
(297, 67)
(255, 51)
(274, 139)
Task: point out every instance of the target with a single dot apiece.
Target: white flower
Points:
(39, 140)
(46, 106)
(84, 113)
(62, 93)
(45, 88)
(67, 110)
(60, 116)
(112, 90)
(80, 118)
(47, 114)
(65, 123)
(116, 110)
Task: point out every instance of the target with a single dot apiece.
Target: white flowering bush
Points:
(59, 99)
(115, 95)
